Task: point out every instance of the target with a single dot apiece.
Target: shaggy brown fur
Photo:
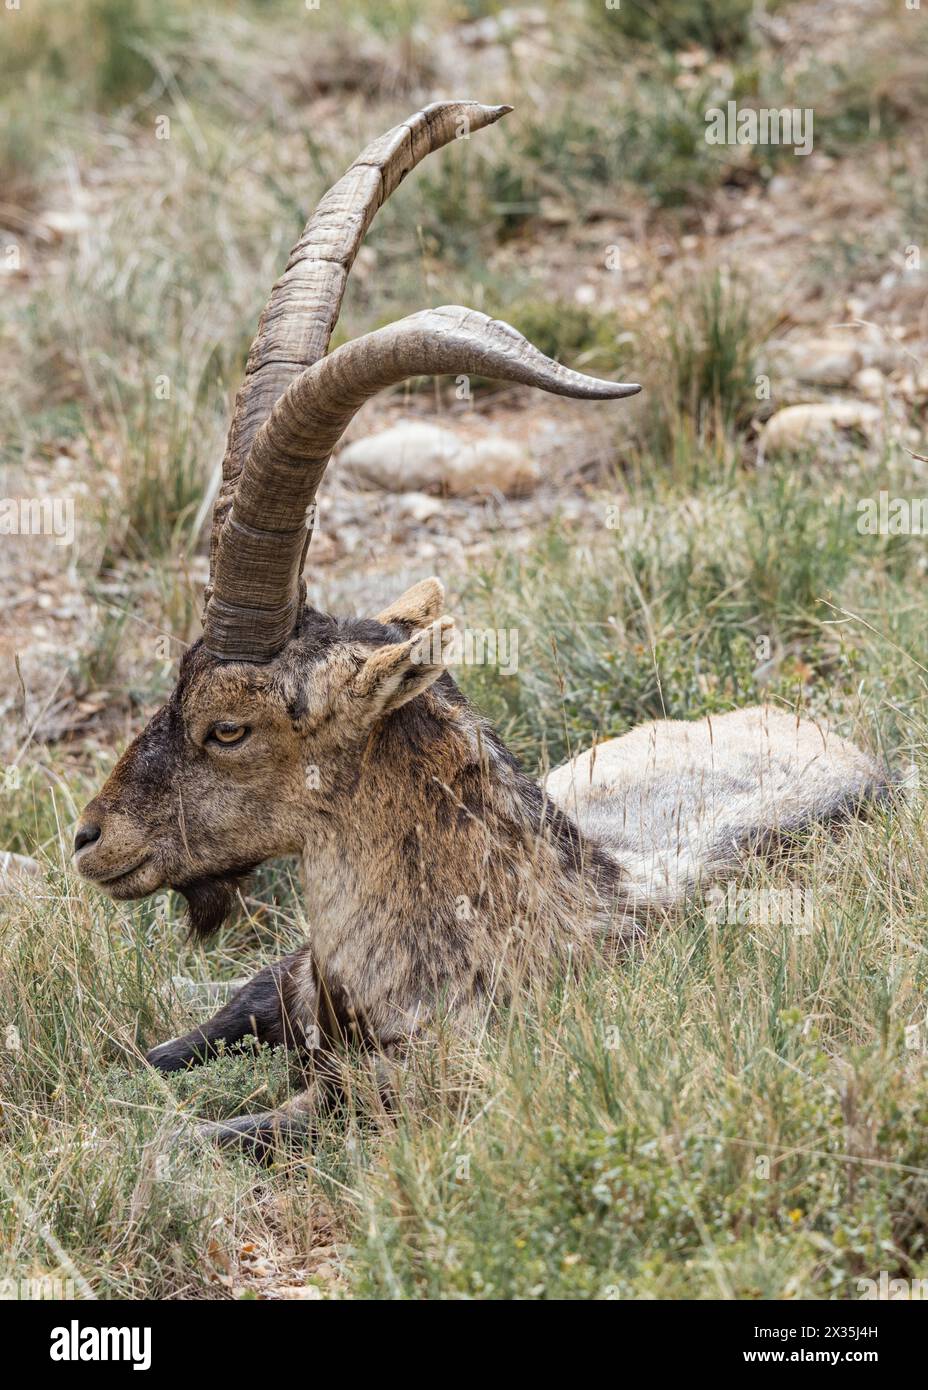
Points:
(437, 874)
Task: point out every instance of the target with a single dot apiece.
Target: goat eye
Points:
(228, 733)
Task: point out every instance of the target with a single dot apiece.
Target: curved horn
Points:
(256, 598)
(301, 313)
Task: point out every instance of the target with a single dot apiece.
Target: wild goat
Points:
(438, 875)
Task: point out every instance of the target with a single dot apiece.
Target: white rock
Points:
(493, 465)
(825, 361)
(913, 386)
(419, 506)
(414, 456)
(870, 383)
(877, 352)
(409, 457)
(16, 870)
(799, 425)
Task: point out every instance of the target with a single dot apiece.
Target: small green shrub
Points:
(703, 370)
(722, 27)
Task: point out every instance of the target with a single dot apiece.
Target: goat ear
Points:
(421, 604)
(393, 675)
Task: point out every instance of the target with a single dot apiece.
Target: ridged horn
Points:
(255, 602)
(296, 325)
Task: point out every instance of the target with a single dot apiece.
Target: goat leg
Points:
(262, 1135)
(259, 1136)
(263, 1008)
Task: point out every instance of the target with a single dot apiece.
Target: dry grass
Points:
(612, 1133)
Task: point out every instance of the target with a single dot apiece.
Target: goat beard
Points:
(211, 898)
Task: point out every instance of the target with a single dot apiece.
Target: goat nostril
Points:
(86, 835)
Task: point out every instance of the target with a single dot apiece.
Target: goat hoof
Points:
(261, 1137)
(169, 1056)
(176, 1055)
(218, 1133)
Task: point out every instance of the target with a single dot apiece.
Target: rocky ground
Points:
(844, 351)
